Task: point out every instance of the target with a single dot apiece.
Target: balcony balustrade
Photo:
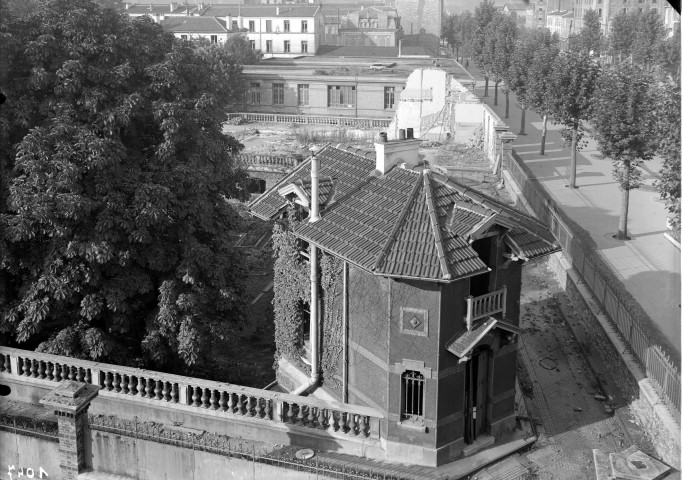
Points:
(486, 305)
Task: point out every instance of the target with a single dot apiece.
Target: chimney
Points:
(277, 9)
(410, 133)
(400, 48)
(228, 22)
(127, 6)
(401, 134)
(173, 7)
(390, 153)
(314, 189)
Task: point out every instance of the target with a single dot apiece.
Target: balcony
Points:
(486, 305)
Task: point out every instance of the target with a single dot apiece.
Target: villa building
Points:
(429, 300)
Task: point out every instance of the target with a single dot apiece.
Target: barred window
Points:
(389, 97)
(304, 47)
(304, 26)
(287, 46)
(341, 96)
(304, 94)
(413, 395)
(278, 94)
(287, 25)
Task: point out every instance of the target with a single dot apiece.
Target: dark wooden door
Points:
(476, 395)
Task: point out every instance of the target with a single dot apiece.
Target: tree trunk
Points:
(544, 134)
(485, 94)
(506, 103)
(624, 205)
(523, 119)
(457, 55)
(574, 154)
(495, 101)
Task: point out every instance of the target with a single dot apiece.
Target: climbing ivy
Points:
(292, 288)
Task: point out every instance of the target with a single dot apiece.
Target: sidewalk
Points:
(649, 264)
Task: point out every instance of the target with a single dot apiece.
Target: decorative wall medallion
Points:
(414, 321)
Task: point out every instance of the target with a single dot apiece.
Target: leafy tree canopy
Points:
(528, 46)
(590, 39)
(500, 39)
(668, 138)
(483, 16)
(114, 238)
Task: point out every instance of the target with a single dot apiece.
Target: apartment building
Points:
(192, 28)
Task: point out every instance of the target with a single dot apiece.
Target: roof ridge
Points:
(435, 226)
(398, 224)
(344, 147)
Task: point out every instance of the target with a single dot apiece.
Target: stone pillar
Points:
(70, 402)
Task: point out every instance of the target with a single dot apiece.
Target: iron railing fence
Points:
(632, 325)
(233, 447)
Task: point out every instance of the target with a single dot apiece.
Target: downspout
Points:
(311, 385)
(345, 332)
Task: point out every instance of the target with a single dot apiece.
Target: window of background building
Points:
(341, 96)
(235, 25)
(253, 44)
(287, 25)
(214, 38)
(252, 25)
(304, 94)
(304, 26)
(268, 46)
(287, 46)
(268, 25)
(389, 97)
(304, 47)
(413, 396)
(278, 94)
(183, 37)
(255, 93)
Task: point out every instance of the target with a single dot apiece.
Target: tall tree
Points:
(115, 233)
(624, 126)
(539, 92)
(516, 77)
(670, 55)
(649, 38)
(573, 82)
(621, 35)
(483, 15)
(590, 38)
(668, 138)
(501, 37)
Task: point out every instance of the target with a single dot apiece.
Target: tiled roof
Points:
(151, 9)
(194, 25)
(405, 223)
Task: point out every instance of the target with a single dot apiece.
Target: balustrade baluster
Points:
(88, 376)
(290, 412)
(300, 418)
(259, 408)
(342, 422)
(2, 364)
(26, 367)
(34, 368)
(116, 382)
(331, 421)
(165, 392)
(268, 409)
(230, 402)
(204, 398)
(140, 386)
(352, 424)
(196, 398)
(125, 384)
(319, 418)
(41, 369)
(107, 381)
(80, 374)
(150, 388)
(7, 364)
(50, 373)
(223, 402)
(363, 426)
(214, 400)
(174, 392)
(132, 385)
(157, 390)
(240, 404)
(72, 373)
(311, 417)
(57, 375)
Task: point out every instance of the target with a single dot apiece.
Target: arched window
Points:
(412, 395)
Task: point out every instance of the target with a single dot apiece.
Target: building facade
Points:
(305, 92)
(372, 26)
(432, 278)
(212, 29)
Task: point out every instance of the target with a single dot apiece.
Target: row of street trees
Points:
(628, 98)
(115, 174)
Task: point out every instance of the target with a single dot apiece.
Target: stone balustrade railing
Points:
(227, 399)
(314, 119)
(268, 160)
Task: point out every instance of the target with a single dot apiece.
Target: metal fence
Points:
(29, 426)
(233, 447)
(313, 119)
(633, 326)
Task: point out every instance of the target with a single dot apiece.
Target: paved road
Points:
(648, 265)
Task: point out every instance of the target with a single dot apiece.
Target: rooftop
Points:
(406, 223)
(194, 25)
(262, 10)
